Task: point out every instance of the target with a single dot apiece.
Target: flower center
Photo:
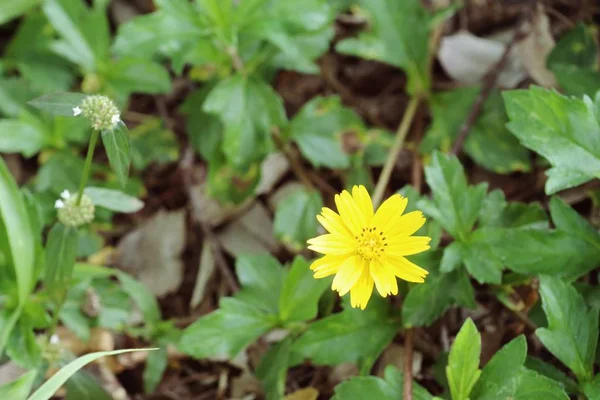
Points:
(370, 243)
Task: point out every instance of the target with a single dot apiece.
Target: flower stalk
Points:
(87, 165)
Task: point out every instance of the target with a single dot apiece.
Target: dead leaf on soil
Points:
(273, 168)
(209, 211)
(309, 393)
(534, 49)
(394, 355)
(151, 253)
(205, 271)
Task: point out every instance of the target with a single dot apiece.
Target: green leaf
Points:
(352, 335)
(301, 292)
(49, 388)
(452, 257)
(205, 130)
(156, 364)
(552, 372)
(577, 47)
(463, 363)
(481, 260)
(592, 388)
(10, 9)
(399, 36)
(426, 302)
(318, 130)
(83, 386)
(262, 278)
(564, 130)
(249, 109)
(577, 81)
(117, 146)
(455, 204)
(21, 137)
(272, 370)
(370, 387)
(295, 218)
(20, 388)
(142, 297)
(114, 200)
(59, 103)
(23, 347)
(152, 142)
(60, 259)
(572, 333)
(139, 75)
(568, 220)
(20, 241)
(227, 331)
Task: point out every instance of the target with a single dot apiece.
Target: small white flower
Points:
(115, 118)
(65, 195)
(54, 339)
(76, 111)
(59, 204)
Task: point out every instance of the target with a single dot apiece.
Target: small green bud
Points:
(74, 215)
(101, 111)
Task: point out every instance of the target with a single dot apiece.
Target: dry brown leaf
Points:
(282, 192)
(209, 211)
(205, 271)
(342, 372)
(394, 355)
(309, 393)
(151, 253)
(536, 47)
(9, 372)
(273, 168)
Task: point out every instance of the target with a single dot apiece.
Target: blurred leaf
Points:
(51, 386)
(9, 9)
(295, 217)
(577, 47)
(552, 372)
(59, 103)
(156, 364)
(20, 241)
(139, 75)
(426, 302)
(142, 297)
(300, 293)
(83, 386)
(230, 184)
(23, 347)
(14, 95)
(20, 388)
(370, 387)
(563, 130)
(572, 333)
(398, 35)
(152, 142)
(592, 388)
(577, 81)
(114, 200)
(20, 137)
(352, 335)
(60, 259)
(227, 331)
(205, 130)
(317, 129)
(118, 149)
(262, 278)
(455, 205)
(463, 363)
(272, 370)
(249, 109)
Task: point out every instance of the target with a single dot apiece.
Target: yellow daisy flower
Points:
(364, 248)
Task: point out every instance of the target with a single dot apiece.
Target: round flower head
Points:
(102, 113)
(72, 214)
(365, 248)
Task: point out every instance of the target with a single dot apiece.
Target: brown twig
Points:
(489, 82)
(408, 362)
(185, 165)
(292, 158)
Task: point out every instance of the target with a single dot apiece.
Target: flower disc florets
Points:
(101, 111)
(72, 214)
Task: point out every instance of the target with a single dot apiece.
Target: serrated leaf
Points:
(300, 294)
(370, 387)
(455, 204)
(426, 302)
(399, 35)
(118, 149)
(295, 220)
(227, 331)
(113, 200)
(59, 103)
(350, 336)
(60, 259)
(204, 130)
(552, 372)
(481, 261)
(249, 109)
(317, 130)
(564, 130)
(463, 362)
(568, 220)
(572, 333)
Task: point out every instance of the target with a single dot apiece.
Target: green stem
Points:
(401, 133)
(88, 164)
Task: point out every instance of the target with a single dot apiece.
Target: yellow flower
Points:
(364, 248)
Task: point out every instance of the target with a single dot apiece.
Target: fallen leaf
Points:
(209, 211)
(309, 393)
(282, 192)
(466, 58)
(151, 253)
(9, 372)
(395, 355)
(534, 49)
(273, 168)
(205, 271)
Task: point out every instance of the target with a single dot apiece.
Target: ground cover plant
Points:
(300, 199)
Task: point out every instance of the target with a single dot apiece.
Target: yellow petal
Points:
(361, 291)
(406, 246)
(385, 281)
(405, 269)
(327, 265)
(333, 222)
(349, 212)
(407, 224)
(363, 201)
(348, 274)
(332, 244)
(388, 215)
